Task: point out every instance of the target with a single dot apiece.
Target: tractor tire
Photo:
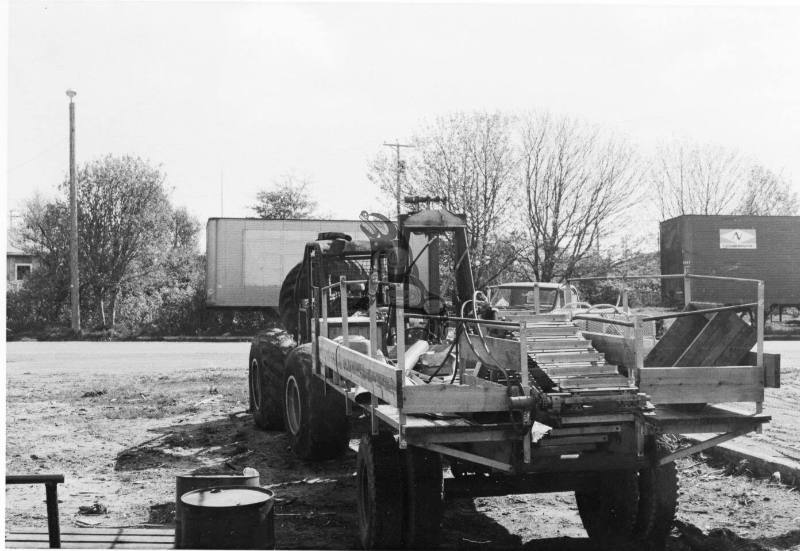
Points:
(265, 377)
(424, 507)
(379, 483)
(288, 304)
(658, 499)
(609, 511)
(315, 419)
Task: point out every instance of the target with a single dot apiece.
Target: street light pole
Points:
(74, 280)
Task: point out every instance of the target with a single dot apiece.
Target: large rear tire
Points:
(265, 377)
(316, 420)
(609, 511)
(658, 500)
(424, 505)
(379, 482)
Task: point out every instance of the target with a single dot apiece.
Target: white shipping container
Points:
(247, 258)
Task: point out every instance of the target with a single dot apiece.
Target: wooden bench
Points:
(93, 538)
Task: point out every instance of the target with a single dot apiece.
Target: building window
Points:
(23, 271)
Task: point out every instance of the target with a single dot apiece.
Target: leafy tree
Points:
(127, 229)
(124, 222)
(289, 198)
(185, 229)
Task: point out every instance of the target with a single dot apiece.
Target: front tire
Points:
(315, 419)
(265, 377)
(263, 403)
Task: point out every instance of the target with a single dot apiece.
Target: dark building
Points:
(754, 247)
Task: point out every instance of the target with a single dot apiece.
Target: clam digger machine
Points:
(514, 400)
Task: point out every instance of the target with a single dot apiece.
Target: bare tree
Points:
(288, 198)
(767, 194)
(469, 160)
(576, 182)
(693, 179)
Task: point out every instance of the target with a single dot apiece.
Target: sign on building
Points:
(737, 239)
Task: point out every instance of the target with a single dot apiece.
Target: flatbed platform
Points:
(708, 419)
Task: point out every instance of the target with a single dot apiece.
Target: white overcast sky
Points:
(253, 90)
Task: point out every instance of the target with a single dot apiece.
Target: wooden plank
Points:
(692, 385)
(592, 382)
(454, 398)
(772, 368)
(530, 316)
(568, 357)
(570, 370)
(675, 341)
(99, 538)
(93, 538)
(374, 375)
(725, 340)
(557, 344)
(107, 530)
(600, 418)
(569, 440)
(551, 330)
(12, 544)
(563, 450)
(710, 419)
(475, 458)
(594, 429)
(96, 530)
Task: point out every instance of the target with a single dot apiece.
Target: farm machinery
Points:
(515, 400)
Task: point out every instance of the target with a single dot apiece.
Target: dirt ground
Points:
(121, 420)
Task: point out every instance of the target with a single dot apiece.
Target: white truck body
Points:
(247, 258)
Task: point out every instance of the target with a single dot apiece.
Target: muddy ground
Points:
(121, 420)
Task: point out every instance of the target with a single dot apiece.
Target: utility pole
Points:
(397, 145)
(74, 280)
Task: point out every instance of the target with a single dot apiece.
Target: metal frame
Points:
(51, 482)
(393, 396)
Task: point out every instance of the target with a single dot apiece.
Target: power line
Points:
(42, 152)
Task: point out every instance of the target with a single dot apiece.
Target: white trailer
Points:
(248, 258)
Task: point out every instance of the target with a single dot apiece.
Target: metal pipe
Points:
(704, 311)
(493, 323)
(630, 277)
(602, 320)
(723, 278)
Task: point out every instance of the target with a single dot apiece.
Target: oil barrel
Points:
(189, 482)
(233, 517)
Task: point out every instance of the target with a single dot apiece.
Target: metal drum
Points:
(189, 482)
(235, 517)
